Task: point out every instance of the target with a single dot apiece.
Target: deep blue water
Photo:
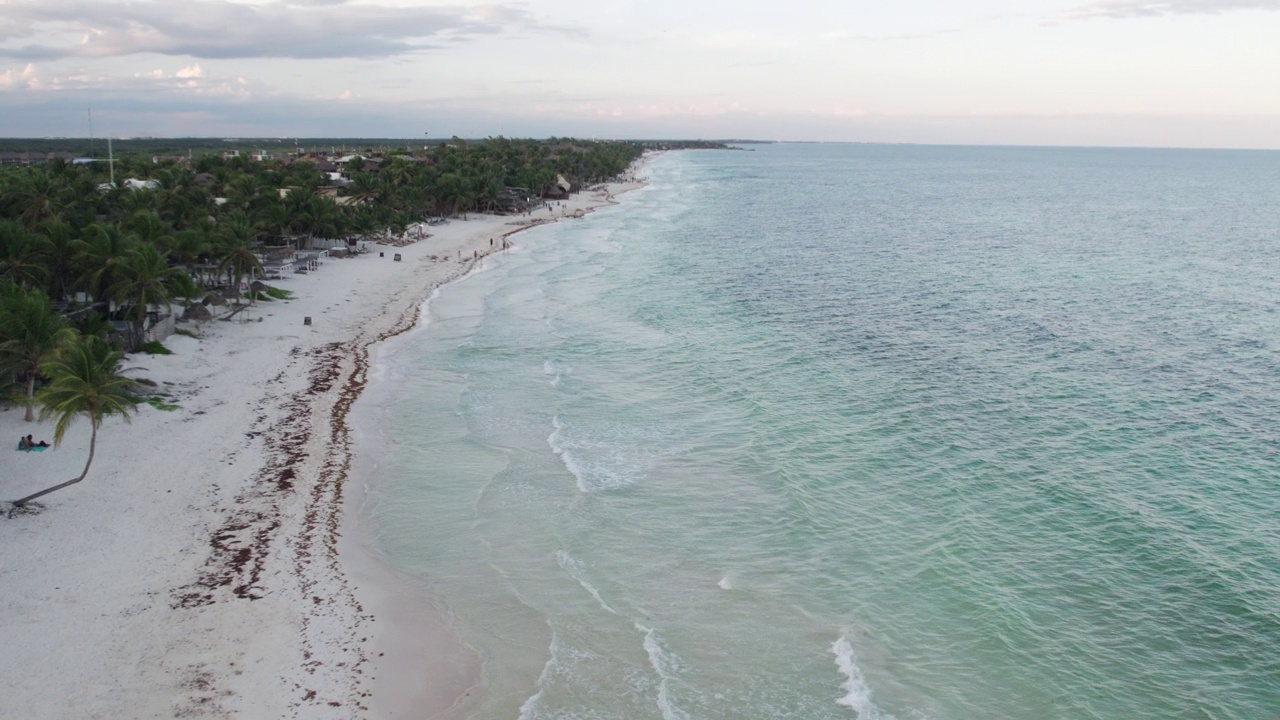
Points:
(842, 431)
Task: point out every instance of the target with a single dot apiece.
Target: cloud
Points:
(1158, 8)
(24, 78)
(32, 86)
(221, 29)
(841, 36)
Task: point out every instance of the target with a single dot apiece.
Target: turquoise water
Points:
(824, 431)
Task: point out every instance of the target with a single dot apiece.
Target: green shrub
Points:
(154, 348)
(158, 403)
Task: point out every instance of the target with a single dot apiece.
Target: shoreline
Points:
(196, 572)
(416, 678)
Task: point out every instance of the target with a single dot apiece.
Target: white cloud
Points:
(189, 82)
(226, 29)
(22, 78)
(1155, 8)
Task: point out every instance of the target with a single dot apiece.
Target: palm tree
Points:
(235, 248)
(36, 199)
(145, 279)
(56, 249)
(273, 217)
(141, 200)
(187, 247)
(31, 334)
(486, 190)
(18, 255)
(364, 220)
(454, 194)
(314, 215)
(147, 227)
(102, 248)
(399, 172)
(85, 382)
(242, 191)
(364, 187)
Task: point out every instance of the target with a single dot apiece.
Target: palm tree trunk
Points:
(31, 396)
(93, 440)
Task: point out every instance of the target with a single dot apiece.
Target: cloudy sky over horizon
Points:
(1198, 73)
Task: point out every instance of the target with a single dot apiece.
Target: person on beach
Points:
(24, 444)
(33, 444)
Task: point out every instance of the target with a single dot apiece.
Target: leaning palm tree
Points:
(32, 333)
(84, 382)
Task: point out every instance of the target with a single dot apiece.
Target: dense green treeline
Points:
(97, 148)
(77, 252)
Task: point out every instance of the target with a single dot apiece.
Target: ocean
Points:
(859, 431)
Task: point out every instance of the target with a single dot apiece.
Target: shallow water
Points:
(839, 431)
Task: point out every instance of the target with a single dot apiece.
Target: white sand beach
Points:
(196, 571)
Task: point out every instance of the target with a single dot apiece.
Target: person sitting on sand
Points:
(31, 444)
(24, 444)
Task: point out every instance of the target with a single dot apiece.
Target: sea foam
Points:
(857, 695)
(529, 709)
(574, 567)
(570, 463)
(667, 664)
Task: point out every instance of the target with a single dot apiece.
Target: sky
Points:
(1163, 73)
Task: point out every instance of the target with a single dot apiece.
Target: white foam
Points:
(725, 583)
(667, 664)
(426, 304)
(551, 369)
(575, 570)
(529, 710)
(570, 463)
(857, 695)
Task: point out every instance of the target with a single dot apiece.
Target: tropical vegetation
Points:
(83, 382)
(82, 255)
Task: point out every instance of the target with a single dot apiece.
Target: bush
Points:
(154, 348)
(158, 403)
